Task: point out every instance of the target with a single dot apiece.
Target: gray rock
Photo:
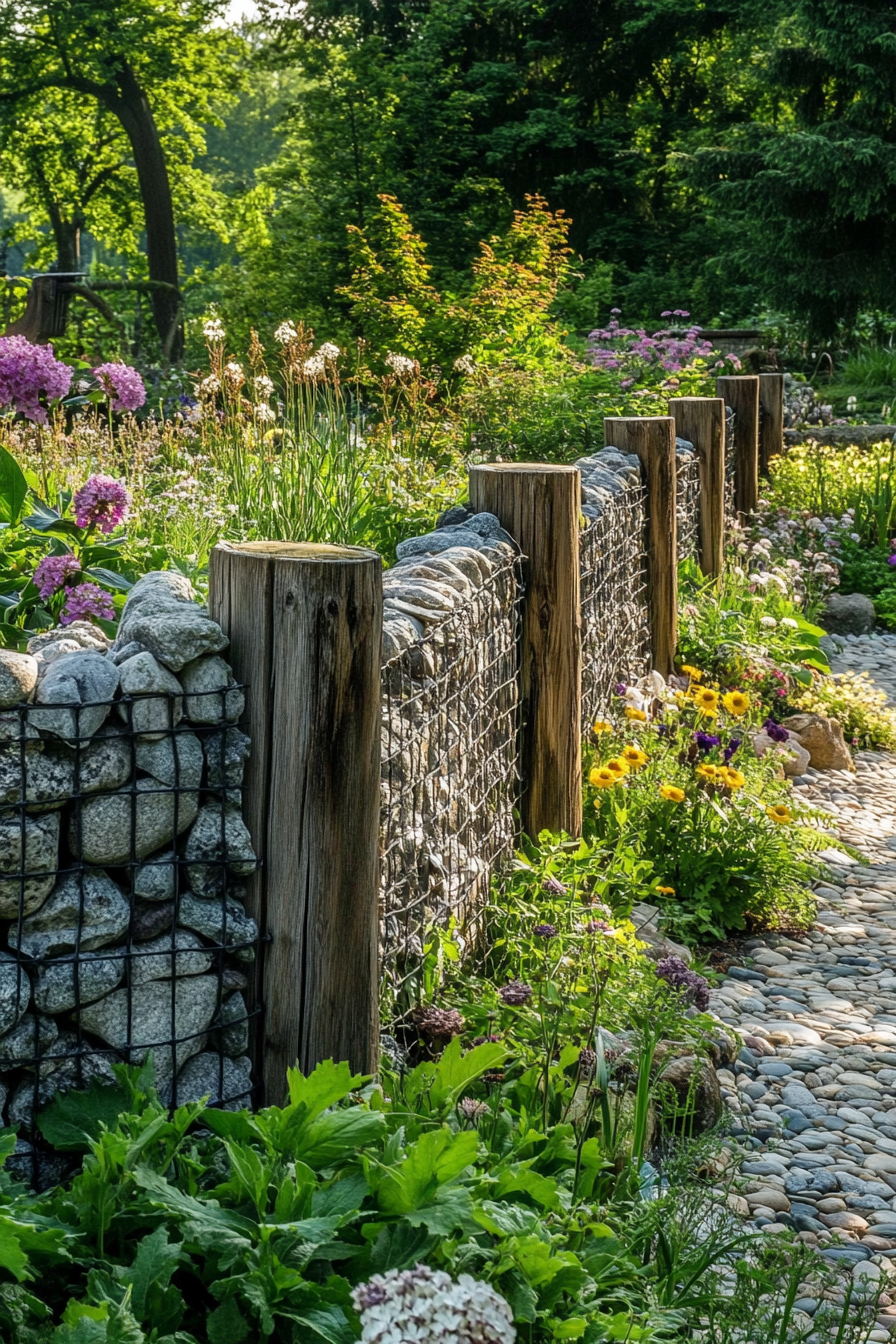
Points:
(156, 704)
(487, 525)
(15, 728)
(434, 543)
(18, 677)
(151, 919)
(232, 1022)
(219, 840)
(156, 879)
(15, 991)
(472, 563)
(28, 1042)
(226, 1082)
(226, 753)
(71, 919)
(221, 921)
(161, 615)
(49, 776)
(57, 988)
(105, 763)
(847, 614)
(439, 598)
(212, 693)
(157, 959)
(55, 649)
(134, 1021)
(40, 858)
(455, 516)
(85, 679)
(83, 633)
(696, 1088)
(121, 655)
(175, 759)
(154, 814)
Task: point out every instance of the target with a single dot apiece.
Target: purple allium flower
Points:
(471, 1109)
(545, 931)
(515, 993)
(891, 559)
(28, 371)
(706, 741)
(620, 688)
(102, 502)
(554, 886)
(53, 572)
(776, 731)
(85, 601)
(678, 975)
(440, 1023)
(123, 384)
(733, 744)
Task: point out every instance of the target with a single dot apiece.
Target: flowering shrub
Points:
(642, 358)
(426, 1305)
(851, 698)
(31, 377)
(101, 502)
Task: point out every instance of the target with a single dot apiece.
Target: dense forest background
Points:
(733, 160)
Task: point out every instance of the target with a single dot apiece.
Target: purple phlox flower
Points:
(891, 560)
(515, 993)
(776, 731)
(733, 744)
(85, 601)
(553, 885)
(620, 688)
(122, 384)
(545, 931)
(102, 502)
(706, 741)
(53, 572)
(28, 372)
(679, 976)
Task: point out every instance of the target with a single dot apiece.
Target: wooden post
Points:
(652, 437)
(741, 392)
(540, 506)
(701, 420)
(771, 425)
(305, 627)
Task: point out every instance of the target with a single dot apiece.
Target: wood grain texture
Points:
(652, 437)
(701, 420)
(315, 793)
(539, 505)
(771, 425)
(741, 393)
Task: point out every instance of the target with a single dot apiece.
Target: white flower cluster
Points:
(263, 385)
(425, 1306)
(464, 364)
(213, 329)
(315, 367)
(401, 365)
(285, 333)
(329, 351)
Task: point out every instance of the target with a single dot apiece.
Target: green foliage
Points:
(861, 709)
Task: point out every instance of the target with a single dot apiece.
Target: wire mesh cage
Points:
(450, 773)
(123, 863)
(687, 504)
(613, 596)
(730, 468)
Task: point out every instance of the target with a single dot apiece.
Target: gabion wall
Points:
(123, 858)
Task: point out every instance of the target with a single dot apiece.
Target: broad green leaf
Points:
(322, 1088)
(455, 1071)
(12, 1258)
(437, 1157)
(110, 578)
(203, 1213)
(76, 1311)
(452, 1208)
(231, 1124)
(327, 1325)
(341, 1198)
(506, 1219)
(13, 488)
(154, 1263)
(574, 1328)
(338, 1134)
(72, 1120)
(225, 1325)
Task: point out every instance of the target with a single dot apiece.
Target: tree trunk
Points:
(132, 108)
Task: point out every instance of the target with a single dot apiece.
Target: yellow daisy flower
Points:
(706, 700)
(633, 757)
(736, 703)
(618, 766)
(780, 814)
(601, 726)
(708, 771)
(735, 779)
(672, 794)
(602, 778)
(693, 672)
(636, 715)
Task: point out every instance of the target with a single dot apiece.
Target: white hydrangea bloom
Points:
(401, 364)
(285, 333)
(425, 1306)
(213, 329)
(768, 621)
(790, 623)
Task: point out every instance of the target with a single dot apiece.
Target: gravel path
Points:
(813, 1091)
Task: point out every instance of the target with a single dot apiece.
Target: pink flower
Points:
(53, 573)
(124, 384)
(102, 502)
(85, 601)
(26, 373)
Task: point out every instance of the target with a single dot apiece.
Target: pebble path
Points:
(813, 1090)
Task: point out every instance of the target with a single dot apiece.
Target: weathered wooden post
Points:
(741, 393)
(701, 420)
(652, 437)
(771, 423)
(305, 627)
(540, 506)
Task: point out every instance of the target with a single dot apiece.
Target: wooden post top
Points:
(299, 550)
(546, 468)
(642, 419)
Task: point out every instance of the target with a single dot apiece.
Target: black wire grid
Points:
(83, 949)
(730, 468)
(613, 588)
(687, 506)
(450, 774)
